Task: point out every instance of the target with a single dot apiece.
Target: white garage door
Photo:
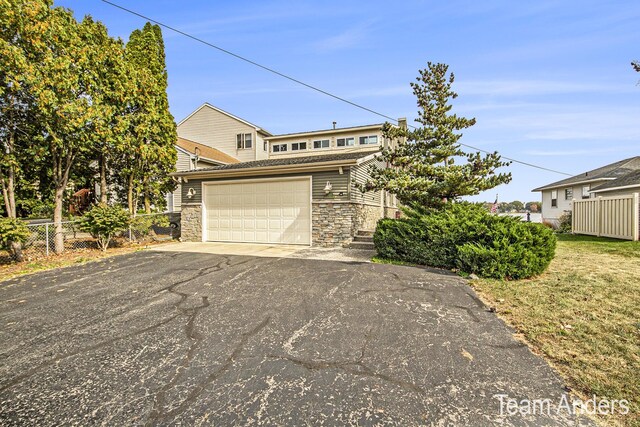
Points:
(259, 212)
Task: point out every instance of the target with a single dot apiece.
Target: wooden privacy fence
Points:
(617, 217)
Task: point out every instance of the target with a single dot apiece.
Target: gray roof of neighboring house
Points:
(611, 172)
(310, 160)
(629, 180)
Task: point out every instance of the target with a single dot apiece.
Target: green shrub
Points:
(564, 225)
(103, 222)
(510, 249)
(142, 226)
(13, 233)
(467, 237)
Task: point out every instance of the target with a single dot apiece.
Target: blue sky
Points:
(549, 82)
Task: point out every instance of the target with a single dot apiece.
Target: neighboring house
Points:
(611, 179)
(297, 188)
(625, 185)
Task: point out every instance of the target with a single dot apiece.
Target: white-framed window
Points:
(244, 141)
(295, 146)
(345, 142)
(279, 148)
(585, 192)
(568, 193)
(366, 140)
(554, 198)
(321, 143)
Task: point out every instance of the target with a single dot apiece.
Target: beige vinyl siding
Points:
(215, 129)
(332, 137)
(339, 183)
(553, 213)
(184, 161)
(361, 174)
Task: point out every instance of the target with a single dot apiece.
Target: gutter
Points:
(622, 187)
(262, 170)
(569, 184)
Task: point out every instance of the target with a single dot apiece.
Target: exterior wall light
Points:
(328, 188)
(191, 192)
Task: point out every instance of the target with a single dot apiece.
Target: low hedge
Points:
(467, 237)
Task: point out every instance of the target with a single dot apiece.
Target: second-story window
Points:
(295, 146)
(321, 143)
(366, 140)
(345, 142)
(244, 141)
(278, 148)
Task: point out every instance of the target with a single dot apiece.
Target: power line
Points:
(300, 82)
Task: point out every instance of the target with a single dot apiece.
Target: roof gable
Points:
(207, 105)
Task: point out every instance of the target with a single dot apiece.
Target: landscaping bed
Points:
(583, 316)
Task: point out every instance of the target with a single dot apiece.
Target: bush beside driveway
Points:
(180, 338)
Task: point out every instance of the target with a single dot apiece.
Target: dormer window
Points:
(296, 146)
(244, 141)
(367, 140)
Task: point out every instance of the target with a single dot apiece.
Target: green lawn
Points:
(582, 315)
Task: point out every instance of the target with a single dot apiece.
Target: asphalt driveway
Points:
(162, 338)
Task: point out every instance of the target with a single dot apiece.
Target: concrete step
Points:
(367, 233)
(362, 245)
(363, 239)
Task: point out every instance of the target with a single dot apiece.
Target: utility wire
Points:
(300, 82)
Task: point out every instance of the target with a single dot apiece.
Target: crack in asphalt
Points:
(354, 367)
(158, 414)
(181, 312)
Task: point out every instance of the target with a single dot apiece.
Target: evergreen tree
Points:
(149, 153)
(427, 165)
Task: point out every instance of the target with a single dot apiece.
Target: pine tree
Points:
(427, 165)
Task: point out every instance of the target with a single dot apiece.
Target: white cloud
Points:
(348, 38)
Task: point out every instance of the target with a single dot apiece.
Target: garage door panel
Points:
(262, 212)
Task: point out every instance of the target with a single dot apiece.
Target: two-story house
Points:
(239, 183)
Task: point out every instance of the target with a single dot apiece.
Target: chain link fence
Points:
(143, 229)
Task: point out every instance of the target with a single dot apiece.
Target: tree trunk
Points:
(57, 219)
(9, 196)
(130, 195)
(147, 199)
(103, 179)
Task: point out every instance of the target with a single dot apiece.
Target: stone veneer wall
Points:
(335, 224)
(366, 217)
(191, 222)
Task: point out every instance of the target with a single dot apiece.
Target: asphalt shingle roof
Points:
(632, 178)
(291, 161)
(205, 151)
(613, 170)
